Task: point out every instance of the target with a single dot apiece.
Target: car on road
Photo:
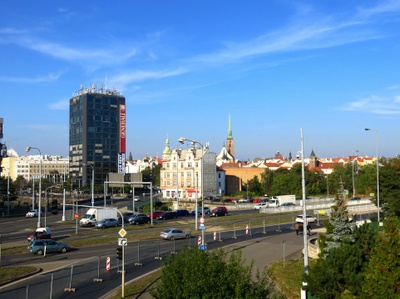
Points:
(219, 212)
(356, 198)
(40, 233)
(155, 214)
(174, 233)
(310, 219)
(288, 204)
(33, 213)
(39, 247)
(135, 215)
(206, 211)
(127, 215)
(244, 199)
(107, 222)
(182, 213)
(168, 215)
(139, 219)
(260, 205)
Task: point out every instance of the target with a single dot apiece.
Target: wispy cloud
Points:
(60, 105)
(130, 77)
(316, 33)
(44, 79)
(376, 105)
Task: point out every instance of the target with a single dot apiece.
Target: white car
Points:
(310, 219)
(260, 205)
(32, 213)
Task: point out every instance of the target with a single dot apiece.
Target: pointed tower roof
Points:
(229, 128)
(167, 150)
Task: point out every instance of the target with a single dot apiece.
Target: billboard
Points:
(121, 162)
(122, 128)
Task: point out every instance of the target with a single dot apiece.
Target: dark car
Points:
(168, 215)
(182, 213)
(218, 212)
(127, 215)
(140, 219)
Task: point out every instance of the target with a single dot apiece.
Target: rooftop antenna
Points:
(105, 83)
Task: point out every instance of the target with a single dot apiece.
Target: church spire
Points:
(167, 149)
(229, 128)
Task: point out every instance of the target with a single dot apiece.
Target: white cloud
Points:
(60, 105)
(376, 105)
(44, 79)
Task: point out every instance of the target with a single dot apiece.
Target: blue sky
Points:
(328, 67)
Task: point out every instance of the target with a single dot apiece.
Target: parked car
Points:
(127, 215)
(134, 216)
(206, 211)
(174, 233)
(155, 214)
(310, 219)
(167, 215)
(182, 213)
(39, 246)
(260, 205)
(288, 204)
(221, 208)
(40, 233)
(139, 219)
(108, 222)
(219, 212)
(33, 213)
(244, 199)
(356, 198)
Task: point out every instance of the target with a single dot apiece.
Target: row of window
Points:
(182, 165)
(173, 183)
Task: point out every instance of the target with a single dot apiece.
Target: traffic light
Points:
(119, 252)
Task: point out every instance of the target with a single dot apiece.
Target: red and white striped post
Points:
(108, 264)
(199, 241)
(215, 235)
(247, 229)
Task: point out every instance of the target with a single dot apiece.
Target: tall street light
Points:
(92, 182)
(40, 182)
(352, 172)
(377, 173)
(193, 142)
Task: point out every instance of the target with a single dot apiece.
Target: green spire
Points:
(167, 150)
(229, 127)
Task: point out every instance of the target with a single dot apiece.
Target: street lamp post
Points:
(354, 181)
(63, 214)
(8, 193)
(193, 142)
(92, 182)
(305, 223)
(40, 182)
(377, 174)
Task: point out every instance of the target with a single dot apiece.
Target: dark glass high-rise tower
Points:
(97, 134)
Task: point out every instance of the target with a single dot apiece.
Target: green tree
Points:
(341, 273)
(194, 273)
(382, 275)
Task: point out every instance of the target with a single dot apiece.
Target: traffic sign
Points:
(122, 241)
(201, 220)
(203, 247)
(202, 226)
(122, 232)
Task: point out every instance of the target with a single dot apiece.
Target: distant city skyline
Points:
(329, 68)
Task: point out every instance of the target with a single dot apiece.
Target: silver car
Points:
(174, 233)
(108, 222)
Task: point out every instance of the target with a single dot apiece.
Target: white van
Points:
(273, 203)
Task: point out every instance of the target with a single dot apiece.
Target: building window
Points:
(190, 164)
(188, 184)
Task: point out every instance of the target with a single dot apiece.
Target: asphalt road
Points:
(77, 270)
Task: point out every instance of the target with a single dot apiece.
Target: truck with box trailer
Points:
(276, 201)
(93, 215)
